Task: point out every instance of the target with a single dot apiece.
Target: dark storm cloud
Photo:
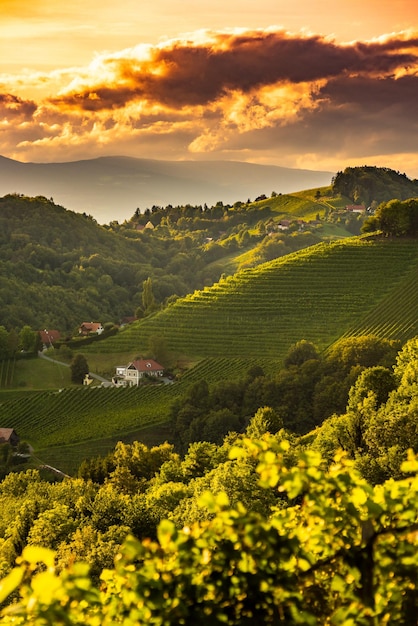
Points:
(13, 107)
(190, 74)
(358, 114)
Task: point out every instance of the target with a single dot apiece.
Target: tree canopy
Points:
(367, 184)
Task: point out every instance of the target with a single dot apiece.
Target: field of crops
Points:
(394, 317)
(355, 286)
(216, 369)
(316, 294)
(73, 415)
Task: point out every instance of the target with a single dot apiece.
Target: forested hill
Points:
(58, 267)
(373, 185)
(72, 269)
(112, 187)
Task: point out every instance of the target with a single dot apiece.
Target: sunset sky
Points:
(308, 84)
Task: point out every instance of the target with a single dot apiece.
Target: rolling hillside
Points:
(331, 290)
(318, 294)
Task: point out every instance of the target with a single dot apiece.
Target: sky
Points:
(312, 84)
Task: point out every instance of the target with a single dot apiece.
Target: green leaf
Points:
(11, 582)
(166, 532)
(37, 554)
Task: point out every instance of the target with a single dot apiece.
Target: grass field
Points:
(27, 374)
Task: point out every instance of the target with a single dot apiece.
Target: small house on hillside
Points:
(90, 328)
(9, 435)
(49, 337)
(128, 319)
(284, 225)
(355, 208)
(135, 371)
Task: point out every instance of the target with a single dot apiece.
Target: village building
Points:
(90, 328)
(133, 373)
(284, 225)
(355, 208)
(49, 338)
(10, 436)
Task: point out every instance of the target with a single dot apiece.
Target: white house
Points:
(134, 372)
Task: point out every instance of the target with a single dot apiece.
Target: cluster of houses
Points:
(86, 329)
(126, 375)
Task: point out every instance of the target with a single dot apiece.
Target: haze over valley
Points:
(112, 188)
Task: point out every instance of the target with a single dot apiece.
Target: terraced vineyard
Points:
(72, 415)
(223, 368)
(355, 286)
(394, 317)
(317, 294)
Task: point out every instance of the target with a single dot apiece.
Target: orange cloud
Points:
(188, 73)
(227, 93)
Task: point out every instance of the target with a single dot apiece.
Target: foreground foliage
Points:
(339, 552)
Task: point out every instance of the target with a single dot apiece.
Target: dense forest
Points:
(262, 525)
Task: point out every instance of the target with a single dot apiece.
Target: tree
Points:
(158, 349)
(4, 348)
(79, 369)
(28, 339)
(397, 218)
(264, 421)
(149, 304)
(300, 352)
(376, 380)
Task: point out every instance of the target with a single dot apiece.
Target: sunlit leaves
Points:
(341, 552)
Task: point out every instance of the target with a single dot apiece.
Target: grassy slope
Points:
(322, 293)
(318, 294)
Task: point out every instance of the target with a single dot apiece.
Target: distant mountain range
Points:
(112, 188)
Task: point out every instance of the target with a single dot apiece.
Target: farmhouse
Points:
(135, 371)
(9, 435)
(284, 225)
(49, 337)
(90, 328)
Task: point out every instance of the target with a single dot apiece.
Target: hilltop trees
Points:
(395, 218)
(379, 184)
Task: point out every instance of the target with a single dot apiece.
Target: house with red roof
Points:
(136, 371)
(9, 435)
(90, 328)
(49, 337)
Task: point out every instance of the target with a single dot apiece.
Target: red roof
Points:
(146, 365)
(49, 336)
(90, 327)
